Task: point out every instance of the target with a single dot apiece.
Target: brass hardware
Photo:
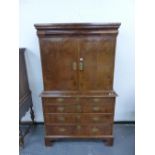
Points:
(61, 109)
(77, 99)
(60, 99)
(62, 129)
(78, 116)
(95, 119)
(96, 99)
(74, 66)
(96, 108)
(95, 129)
(81, 64)
(61, 119)
(78, 108)
(110, 94)
(78, 127)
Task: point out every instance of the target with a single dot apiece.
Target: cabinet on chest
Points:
(78, 69)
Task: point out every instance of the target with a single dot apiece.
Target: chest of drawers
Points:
(78, 66)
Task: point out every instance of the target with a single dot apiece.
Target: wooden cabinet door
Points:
(59, 57)
(97, 54)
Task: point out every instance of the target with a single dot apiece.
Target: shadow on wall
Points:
(33, 65)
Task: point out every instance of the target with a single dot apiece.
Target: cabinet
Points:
(78, 70)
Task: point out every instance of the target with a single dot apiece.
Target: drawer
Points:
(78, 118)
(79, 108)
(79, 130)
(71, 100)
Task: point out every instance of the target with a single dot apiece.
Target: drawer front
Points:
(77, 130)
(79, 108)
(71, 100)
(78, 118)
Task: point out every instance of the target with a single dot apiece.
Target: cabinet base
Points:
(108, 141)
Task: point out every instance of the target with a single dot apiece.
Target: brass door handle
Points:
(81, 64)
(74, 66)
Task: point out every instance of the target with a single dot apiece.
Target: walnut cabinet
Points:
(78, 71)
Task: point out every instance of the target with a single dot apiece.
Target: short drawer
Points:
(78, 118)
(79, 130)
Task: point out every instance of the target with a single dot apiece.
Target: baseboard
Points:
(42, 123)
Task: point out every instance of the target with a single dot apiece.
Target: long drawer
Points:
(79, 108)
(82, 118)
(78, 129)
(71, 100)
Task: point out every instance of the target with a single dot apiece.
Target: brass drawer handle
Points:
(96, 119)
(74, 66)
(62, 129)
(61, 119)
(96, 99)
(60, 99)
(78, 117)
(95, 129)
(96, 108)
(61, 109)
(77, 99)
(78, 127)
(78, 108)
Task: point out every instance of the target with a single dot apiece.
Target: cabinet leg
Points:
(32, 113)
(48, 142)
(109, 141)
(21, 138)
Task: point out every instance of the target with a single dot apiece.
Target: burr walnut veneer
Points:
(78, 70)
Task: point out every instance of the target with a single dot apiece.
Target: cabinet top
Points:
(45, 30)
(64, 26)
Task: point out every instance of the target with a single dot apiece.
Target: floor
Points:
(124, 144)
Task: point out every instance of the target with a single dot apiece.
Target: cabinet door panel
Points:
(98, 54)
(58, 56)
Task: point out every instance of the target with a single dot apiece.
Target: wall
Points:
(59, 11)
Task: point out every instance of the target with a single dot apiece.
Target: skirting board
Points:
(116, 122)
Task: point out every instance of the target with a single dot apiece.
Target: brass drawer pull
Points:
(62, 129)
(78, 108)
(61, 119)
(61, 109)
(77, 99)
(95, 129)
(60, 99)
(96, 108)
(78, 117)
(96, 119)
(96, 99)
(78, 127)
(74, 66)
